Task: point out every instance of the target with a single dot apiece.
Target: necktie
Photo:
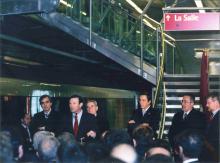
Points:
(75, 127)
(46, 116)
(29, 135)
(184, 116)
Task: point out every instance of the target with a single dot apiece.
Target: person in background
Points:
(212, 130)
(145, 114)
(102, 120)
(46, 120)
(26, 133)
(186, 118)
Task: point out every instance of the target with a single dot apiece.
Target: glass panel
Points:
(114, 23)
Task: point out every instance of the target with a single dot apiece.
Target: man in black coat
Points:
(26, 133)
(46, 120)
(144, 115)
(187, 118)
(101, 117)
(212, 130)
(78, 122)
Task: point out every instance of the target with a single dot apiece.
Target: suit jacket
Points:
(102, 123)
(152, 117)
(87, 122)
(212, 132)
(195, 120)
(51, 123)
(27, 144)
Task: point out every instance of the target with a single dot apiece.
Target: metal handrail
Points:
(163, 114)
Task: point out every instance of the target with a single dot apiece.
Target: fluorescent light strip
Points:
(199, 5)
(65, 3)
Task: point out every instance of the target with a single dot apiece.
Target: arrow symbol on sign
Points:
(168, 17)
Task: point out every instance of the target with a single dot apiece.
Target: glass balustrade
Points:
(115, 24)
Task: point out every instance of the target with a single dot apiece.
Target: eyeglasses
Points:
(45, 102)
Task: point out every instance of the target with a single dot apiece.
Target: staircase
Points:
(178, 85)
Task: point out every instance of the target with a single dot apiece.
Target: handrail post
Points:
(90, 22)
(158, 56)
(142, 36)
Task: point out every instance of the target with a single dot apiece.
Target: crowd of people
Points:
(85, 135)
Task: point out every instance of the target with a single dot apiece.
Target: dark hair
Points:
(115, 137)
(69, 150)
(144, 93)
(214, 96)
(95, 151)
(77, 96)
(43, 97)
(191, 96)
(191, 141)
(143, 134)
(161, 143)
(158, 158)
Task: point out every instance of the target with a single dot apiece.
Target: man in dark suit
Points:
(46, 120)
(101, 118)
(26, 133)
(187, 118)
(212, 131)
(78, 122)
(145, 114)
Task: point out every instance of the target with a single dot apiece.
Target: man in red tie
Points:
(80, 123)
(212, 131)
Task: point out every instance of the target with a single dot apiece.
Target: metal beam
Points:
(15, 7)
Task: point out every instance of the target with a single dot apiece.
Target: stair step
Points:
(179, 98)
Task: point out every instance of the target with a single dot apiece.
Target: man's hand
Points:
(91, 134)
(131, 122)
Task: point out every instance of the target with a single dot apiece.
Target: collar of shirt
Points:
(215, 112)
(47, 113)
(145, 110)
(24, 125)
(190, 160)
(187, 112)
(79, 115)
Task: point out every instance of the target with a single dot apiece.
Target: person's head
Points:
(213, 102)
(75, 103)
(26, 119)
(6, 148)
(95, 151)
(143, 135)
(125, 153)
(92, 107)
(188, 101)
(39, 136)
(144, 100)
(115, 137)
(47, 149)
(45, 102)
(159, 158)
(69, 150)
(189, 144)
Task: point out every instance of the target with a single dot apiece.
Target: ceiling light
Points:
(20, 61)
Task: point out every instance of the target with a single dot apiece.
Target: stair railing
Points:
(159, 100)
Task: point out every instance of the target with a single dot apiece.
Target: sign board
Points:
(191, 21)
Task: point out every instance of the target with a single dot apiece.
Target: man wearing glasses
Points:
(186, 118)
(46, 120)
